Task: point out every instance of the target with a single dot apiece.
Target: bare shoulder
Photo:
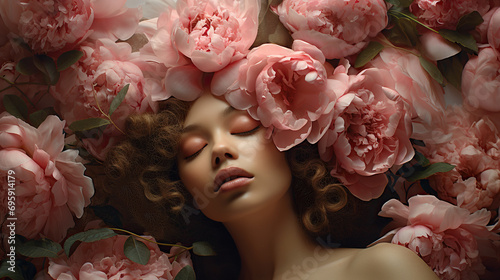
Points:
(388, 261)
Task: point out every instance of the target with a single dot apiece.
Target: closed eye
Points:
(249, 132)
(195, 154)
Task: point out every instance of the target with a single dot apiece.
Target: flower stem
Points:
(159, 243)
(398, 13)
(106, 115)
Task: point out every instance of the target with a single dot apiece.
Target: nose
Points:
(223, 150)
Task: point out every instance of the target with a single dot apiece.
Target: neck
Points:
(270, 241)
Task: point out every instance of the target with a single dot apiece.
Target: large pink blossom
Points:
(446, 13)
(473, 146)
(48, 26)
(369, 133)
(443, 235)
(286, 89)
(50, 185)
(481, 81)
(105, 259)
(211, 33)
(338, 27)
(92, 83)
(413, 83)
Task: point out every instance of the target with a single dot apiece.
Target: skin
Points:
(260, 214)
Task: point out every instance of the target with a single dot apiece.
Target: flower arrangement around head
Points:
(399, 96)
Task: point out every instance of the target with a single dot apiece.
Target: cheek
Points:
(194, 176)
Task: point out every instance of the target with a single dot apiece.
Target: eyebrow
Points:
(192, 127)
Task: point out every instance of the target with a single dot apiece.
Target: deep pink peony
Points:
(443, 235)
(413, 83)
(48, 26)
(286, 89)
(473, 146)
(338, 27)
(105, 259)
(212, 33)
(446, 13)
(50, 185)
(369, 133)
(481, 81)
(95, 80)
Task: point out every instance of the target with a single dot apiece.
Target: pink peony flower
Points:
(338, 28)
(212, 33)
(413, 83)
(95, 80)
(105, 259)
(287, 90)
(48, 26)
(473, 146)
(369, 133)
(446, 13)
(443, 235)
(114, 20)
(50, 185)
(481, 81)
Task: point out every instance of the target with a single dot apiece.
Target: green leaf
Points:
(26, 66)
(186, 273)
(36, 118)
(432, 70)
(430, 170)
(421, 159)
(88, 236)
(400, 3)
(469, 22)
(464, 39)
(452, 68)
(203, 248)
(368, 54)
(118, 99)
(16, 106)
(67, 59)
(47, 66)
(88, 124)
(136, 251)
(403, 32)
(40, 248)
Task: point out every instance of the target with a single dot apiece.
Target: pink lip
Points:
(241, 178)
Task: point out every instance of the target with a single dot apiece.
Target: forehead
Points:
(206, 107)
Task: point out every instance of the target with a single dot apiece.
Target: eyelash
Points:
(195, 154)
(245, 133)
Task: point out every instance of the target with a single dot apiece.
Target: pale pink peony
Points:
(114, 20)
(369, 133)
(95, 80)
(481, 81)
(446, 13)
(443, 235)
(48, 26)
(414, 84)
(473, 146)
(50, 185)
(211, 33)
(105, 259)
(287, 90)
(338, 27)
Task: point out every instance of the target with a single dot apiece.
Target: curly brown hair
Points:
(146, 162)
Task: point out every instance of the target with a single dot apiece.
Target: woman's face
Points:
(226, 162)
